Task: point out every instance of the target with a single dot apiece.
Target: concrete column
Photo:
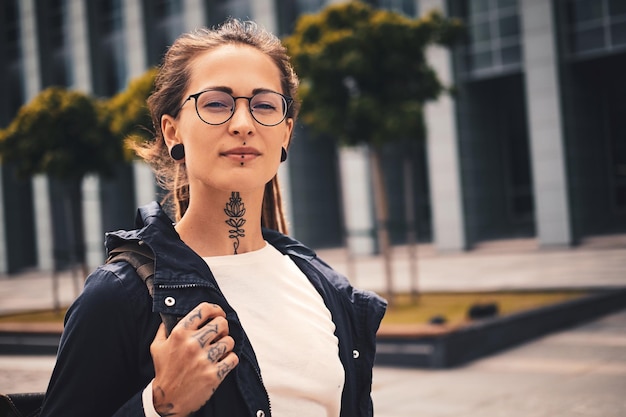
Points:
(355, 174)
(92, 227)
(547, 153)
(78, 20)
(30, 48)
(135, 39)
(264, 13)
(443, 153)
(32, 84)
(145, 184)
(43, 223)
(194, 12)
(285, 192)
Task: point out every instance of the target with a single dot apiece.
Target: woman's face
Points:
(241, 154)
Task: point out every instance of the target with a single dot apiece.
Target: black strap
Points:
(141, 258)
(21, 405)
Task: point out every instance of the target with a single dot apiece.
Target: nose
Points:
(241, 123)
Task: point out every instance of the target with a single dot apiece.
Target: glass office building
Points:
(531, 145)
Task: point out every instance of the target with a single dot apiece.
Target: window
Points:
(597, 26)
(494, 36)
(13, 80)
(164, 20)
(220, 10)
(110, 62)
(54, 39)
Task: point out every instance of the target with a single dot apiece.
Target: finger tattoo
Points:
(208, 331)
(197, 315)
(216, 351)
(223, 369)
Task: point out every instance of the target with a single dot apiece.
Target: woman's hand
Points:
(192, 362)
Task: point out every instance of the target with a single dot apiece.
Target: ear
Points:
(169, 127)
(288, 132)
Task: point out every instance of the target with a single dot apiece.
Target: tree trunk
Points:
(74, 223)
(411, 225)
(382, 217)
(351, 269)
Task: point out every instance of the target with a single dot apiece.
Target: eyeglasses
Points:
(216, 107)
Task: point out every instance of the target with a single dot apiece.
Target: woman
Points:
(266, 328)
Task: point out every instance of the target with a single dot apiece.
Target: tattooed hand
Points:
(192, 362)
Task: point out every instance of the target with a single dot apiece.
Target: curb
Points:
(456, 347)
(30, 338)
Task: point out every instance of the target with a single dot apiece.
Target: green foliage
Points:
(128, 115)
(61, 133)
(364, 73)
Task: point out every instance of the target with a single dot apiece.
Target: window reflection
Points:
(111, 51)
(165, 23)
(596, 26)
(220, 10)
(12, 71)
(57, 40)
(494, 42)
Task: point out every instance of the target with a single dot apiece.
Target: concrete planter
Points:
(453, 347)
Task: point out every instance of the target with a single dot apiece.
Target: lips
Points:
(241, 154)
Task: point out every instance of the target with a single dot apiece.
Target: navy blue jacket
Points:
(104, 360)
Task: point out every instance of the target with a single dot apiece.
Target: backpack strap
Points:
(21, 405)
(141, 258)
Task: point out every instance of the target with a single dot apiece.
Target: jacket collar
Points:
(175, 262)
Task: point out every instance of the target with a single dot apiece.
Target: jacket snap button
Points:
(355, 354)
(260, 413)
(170, 301)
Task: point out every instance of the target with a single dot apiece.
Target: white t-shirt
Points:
(290, 328)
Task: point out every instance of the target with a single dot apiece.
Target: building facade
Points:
(532, 143)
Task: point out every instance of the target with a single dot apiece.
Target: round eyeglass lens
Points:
(215, 107)
(268, 108)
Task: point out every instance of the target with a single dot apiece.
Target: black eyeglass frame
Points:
(288, 102)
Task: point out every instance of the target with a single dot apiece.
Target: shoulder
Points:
(111, 290)
(115, 280)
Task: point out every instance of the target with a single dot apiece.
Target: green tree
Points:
(63, 134)
(127, 113)
(365, 80)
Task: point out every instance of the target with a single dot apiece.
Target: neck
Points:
(225, 224)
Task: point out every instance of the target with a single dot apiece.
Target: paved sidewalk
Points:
(513, 264)
(579, 372)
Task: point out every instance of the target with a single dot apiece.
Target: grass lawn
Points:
(452, 306)
(44, 316)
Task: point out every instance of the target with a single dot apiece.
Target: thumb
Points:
(161, 334)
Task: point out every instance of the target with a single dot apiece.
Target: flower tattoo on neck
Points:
(235, 210)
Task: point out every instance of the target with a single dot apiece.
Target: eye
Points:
(266, 102)
(215, 101)
(263, 106)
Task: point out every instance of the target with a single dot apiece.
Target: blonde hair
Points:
(172, 81)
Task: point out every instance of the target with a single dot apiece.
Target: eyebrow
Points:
(230, 90)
